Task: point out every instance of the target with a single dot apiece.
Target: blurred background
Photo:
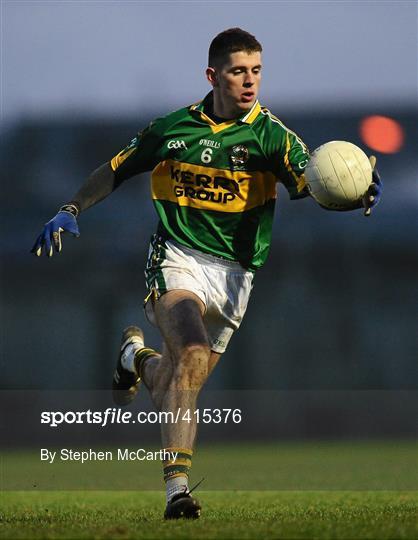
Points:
(329, 340)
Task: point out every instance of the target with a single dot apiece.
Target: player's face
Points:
(237, 83)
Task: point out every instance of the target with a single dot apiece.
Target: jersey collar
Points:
(207, 104)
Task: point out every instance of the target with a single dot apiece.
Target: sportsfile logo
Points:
(177, 144)
(217, 189)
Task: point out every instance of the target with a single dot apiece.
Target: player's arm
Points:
(290, 162)
(139, 156)
(291, 172)
(99, 185)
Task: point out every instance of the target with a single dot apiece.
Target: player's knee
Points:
(192, 367)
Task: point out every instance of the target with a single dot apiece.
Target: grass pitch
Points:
(240, 514)
(324, 490)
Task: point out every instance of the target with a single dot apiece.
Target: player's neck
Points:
(222, 111)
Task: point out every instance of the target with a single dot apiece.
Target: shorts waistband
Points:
(209, 258)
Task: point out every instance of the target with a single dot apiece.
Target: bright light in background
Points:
(382, 134)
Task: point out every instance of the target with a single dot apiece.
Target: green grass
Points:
(315, 490)
(313, 466)
(226, 514)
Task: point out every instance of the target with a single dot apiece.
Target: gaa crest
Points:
(239, 155)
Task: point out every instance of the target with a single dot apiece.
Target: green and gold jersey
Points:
(214, 184)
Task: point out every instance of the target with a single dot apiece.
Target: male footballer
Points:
(215, 165)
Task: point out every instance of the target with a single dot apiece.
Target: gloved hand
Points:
(64, 221)
(374, 191)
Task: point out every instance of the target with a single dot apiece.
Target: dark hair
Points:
(229, 41)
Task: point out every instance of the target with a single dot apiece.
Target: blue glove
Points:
(64, 221)
(374, 191)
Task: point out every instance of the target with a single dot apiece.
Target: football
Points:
(338, 175)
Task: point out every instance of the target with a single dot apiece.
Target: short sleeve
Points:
(291, 166)
(140, 155)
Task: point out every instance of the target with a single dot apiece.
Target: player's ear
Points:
(212, 76)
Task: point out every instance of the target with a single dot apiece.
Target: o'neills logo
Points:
(204, 187)
(210, 143)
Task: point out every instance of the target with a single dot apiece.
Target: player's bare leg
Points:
(179, 315)
(157, 372)
(175, 380)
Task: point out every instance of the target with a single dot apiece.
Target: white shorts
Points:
(223, 286)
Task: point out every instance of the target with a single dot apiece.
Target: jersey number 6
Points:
(206, 156)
